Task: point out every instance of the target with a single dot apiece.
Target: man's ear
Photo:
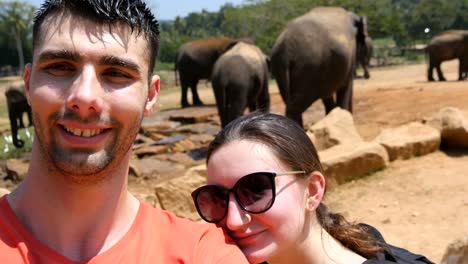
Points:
(315, 190)
(153, 91)
(26, 77)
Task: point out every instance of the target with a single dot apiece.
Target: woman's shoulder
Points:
(392, 254)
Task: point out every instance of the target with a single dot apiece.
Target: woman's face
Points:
(265, 235)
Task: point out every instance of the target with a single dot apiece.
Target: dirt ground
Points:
(420, 204)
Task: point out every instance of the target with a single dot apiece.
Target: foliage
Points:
(9, 151)
(16, 25)
(404, 21)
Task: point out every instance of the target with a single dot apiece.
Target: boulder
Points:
(457, 252)
(199, 128)
(155, 170)
(150, 150)
(345, 162)
(193, 115)
(453, 126)
(335, 128)
(409, 140)
(175, 195)
(151, 125)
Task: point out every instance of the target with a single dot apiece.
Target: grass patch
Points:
(9, 151)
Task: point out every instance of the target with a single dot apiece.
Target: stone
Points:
(152, 124)
(192, 115)
(150, 150)
(155, 170)
(199, 128)
(175, 195)
(409, 140)
(346, 162)
(453, 126)
(335, 128)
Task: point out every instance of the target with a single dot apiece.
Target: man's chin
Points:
(82, 165)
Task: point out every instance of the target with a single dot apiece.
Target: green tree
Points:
(16, 21)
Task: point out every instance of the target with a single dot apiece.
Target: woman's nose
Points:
(236, 217)
(85, 97)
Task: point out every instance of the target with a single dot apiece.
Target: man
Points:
(89, 85)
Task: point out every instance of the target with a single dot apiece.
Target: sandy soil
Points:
(419, 204)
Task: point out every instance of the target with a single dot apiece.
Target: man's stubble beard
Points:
(87, 167)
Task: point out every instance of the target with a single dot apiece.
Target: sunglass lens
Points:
(255, 192)
(212, 203)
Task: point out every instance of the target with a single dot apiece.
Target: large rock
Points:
(175, 195)
(335, 128)
(151, 125)
(457, 252)
(199, 128)
(410, 140)
(345, 162)
(453, 126)
(155, 170)
(193, 115)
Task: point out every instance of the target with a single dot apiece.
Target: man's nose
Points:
(86, 93)
(236, 217)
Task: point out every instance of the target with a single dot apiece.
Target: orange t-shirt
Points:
(156, 236)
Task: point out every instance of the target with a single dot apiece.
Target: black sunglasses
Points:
(255, 193)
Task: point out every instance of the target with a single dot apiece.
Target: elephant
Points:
(17, 105)
(195, 60)
(448, 45)
(363, 56)
(314, 58)
(240, 80)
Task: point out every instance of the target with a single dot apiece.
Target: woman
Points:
(266, 189)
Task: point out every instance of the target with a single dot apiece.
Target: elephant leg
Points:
(14, 128)
(195, 98)
(461, 68)
(344, 96)
(366, 71)
(263, 99)
(329, 103)
(30, 116)
(294, 115)
(20, 119)
(430, 77)
(439, 73)
(183, 99)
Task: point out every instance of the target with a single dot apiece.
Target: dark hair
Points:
(134, 13)
(291, 145)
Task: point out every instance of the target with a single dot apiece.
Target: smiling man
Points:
(89, 85)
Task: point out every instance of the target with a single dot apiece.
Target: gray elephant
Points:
(240, 80)
(17, 105)
(448, 45)
(315, 56)
(363, 56)
(195, 60)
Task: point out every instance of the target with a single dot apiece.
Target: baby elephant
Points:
(240, 79)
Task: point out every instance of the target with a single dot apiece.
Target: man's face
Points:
(88, 89)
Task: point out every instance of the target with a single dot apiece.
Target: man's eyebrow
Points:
(116, 61)
(60, 54)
